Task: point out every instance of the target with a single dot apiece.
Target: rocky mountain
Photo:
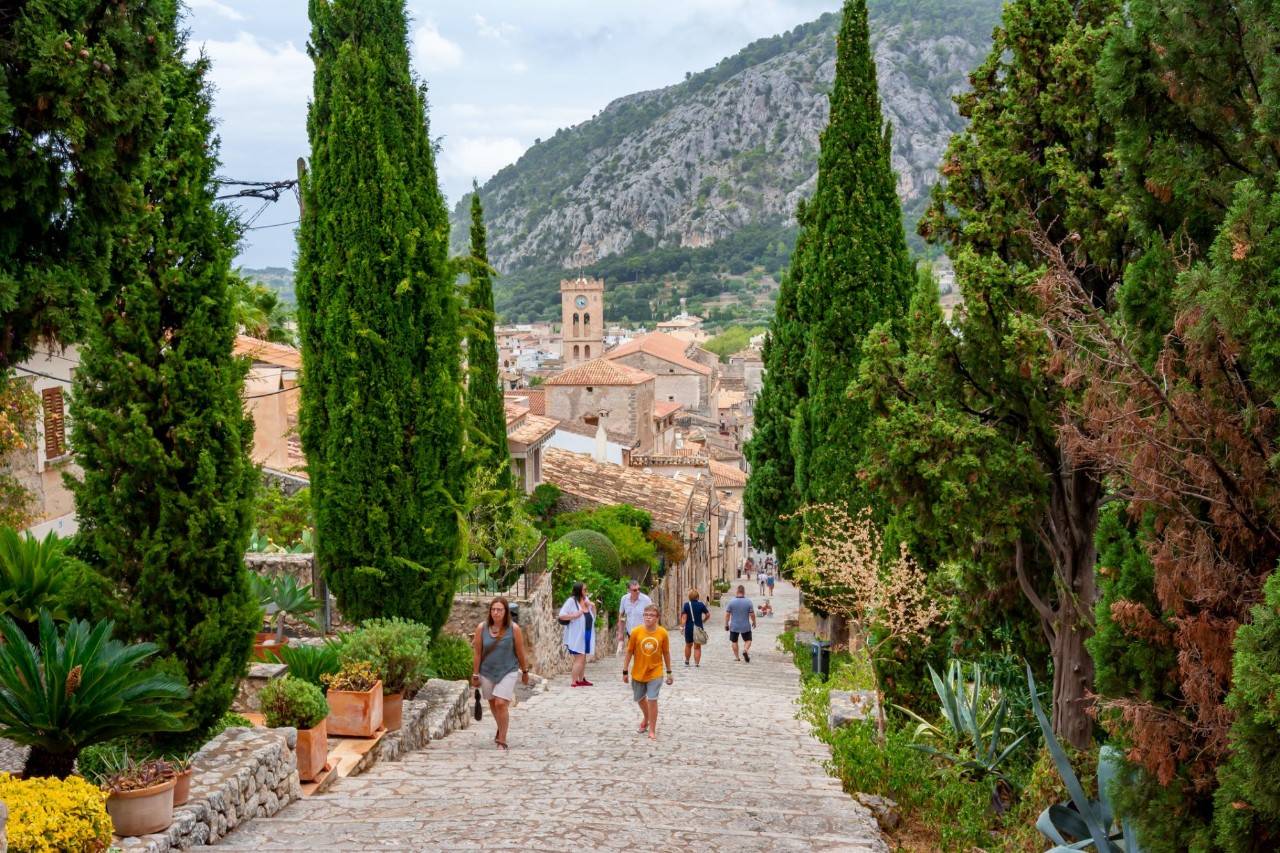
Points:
(730, 148)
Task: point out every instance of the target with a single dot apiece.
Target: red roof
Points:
(600, 371)
(663, 346)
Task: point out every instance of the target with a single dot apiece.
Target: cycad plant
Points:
(288, 598)
(80, 688)
(32, 576)
(311, 662)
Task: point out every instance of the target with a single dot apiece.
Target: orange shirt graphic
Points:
(647, 648)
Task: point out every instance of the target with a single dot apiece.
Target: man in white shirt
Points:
(631, 610)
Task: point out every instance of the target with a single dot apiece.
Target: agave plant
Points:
(1083, 823)
(974, 726)
(282, 596)
(78, 689)
(32, 576)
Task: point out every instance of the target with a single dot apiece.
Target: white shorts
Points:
(504, 689)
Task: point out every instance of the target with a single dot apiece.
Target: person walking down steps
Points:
(650, 648)
(739, 619)
(497, 655)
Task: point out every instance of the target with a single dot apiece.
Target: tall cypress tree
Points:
(79, 108)
(486, 414)
(166, 500)
(381, 396)
(858, 272)
(770, 495)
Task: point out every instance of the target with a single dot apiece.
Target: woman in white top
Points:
(578, 615)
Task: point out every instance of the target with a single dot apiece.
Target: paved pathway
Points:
(733, 770)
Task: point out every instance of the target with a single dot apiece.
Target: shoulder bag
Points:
(699, 633)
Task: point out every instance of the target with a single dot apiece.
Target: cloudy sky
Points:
(501, 73)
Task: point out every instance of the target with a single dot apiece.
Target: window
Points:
(537, 466)
(587, 351)
(576, 354)
(55, 424)
(586, 325)
(589, 389)
(575, 325)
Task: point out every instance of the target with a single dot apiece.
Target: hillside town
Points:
(665, 426)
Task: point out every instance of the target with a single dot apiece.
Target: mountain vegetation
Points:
(689, 190)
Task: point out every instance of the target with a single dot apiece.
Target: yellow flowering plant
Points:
(48, 815)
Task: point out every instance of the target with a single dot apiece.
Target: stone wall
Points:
(288, 483)
(543, 633)
(239, 775)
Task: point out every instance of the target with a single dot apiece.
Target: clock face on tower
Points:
(581, 302)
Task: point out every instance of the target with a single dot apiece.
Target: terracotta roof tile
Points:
(267, 352)
(663, 346)
(666, 407)
(606, 484)
(601, 371)
(531, 430)
(727, 476)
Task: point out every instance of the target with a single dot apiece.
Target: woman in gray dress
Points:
(497, 655)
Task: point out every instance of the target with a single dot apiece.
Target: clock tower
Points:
(581, 319)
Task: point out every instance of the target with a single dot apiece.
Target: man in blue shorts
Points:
(739, 620)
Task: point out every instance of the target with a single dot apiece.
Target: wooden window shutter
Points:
(55, 423)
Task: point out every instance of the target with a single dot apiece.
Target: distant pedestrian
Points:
(497, 655)
(631, 610)
(762, 578)
(578, 615)
(749, 568)
(739, 620)
(692, 616)
(769, 579)
(650, 648)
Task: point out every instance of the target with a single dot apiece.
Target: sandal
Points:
(501, 745)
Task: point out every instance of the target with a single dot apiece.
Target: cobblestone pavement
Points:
(733, 770)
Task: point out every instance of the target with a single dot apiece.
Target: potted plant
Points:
(140, 797)
(293, 702)
(311, 662)
(279, 597)
(399, 651)
(182, 767)
(355, 700)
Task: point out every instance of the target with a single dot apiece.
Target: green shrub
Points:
(293, 702)
(603, 556)
(80, 688)
(569, 564)
(624, 526)
(283, 518)
(451, 657)
(542, 503)
(33, 576)
(399, 650)
(311, 662)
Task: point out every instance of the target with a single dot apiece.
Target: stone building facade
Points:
(601, 391)
(582, 319)
(678, 378)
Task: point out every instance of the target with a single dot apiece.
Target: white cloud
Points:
(261, 90)
(214, 6)
(498, 32)
(432, 50)
(518, 67)
(479, 157)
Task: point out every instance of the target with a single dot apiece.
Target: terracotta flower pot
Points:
(142, 812)
(263, 645)
(313, 751)
(182, 790)
(392, 708)
(355, 713)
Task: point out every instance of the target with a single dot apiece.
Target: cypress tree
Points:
(79, 107)
(770, 494)
(858, 272)
(166, 499)
(378, 320)
(485, 410)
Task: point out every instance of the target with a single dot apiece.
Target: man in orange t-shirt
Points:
(649, 646)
